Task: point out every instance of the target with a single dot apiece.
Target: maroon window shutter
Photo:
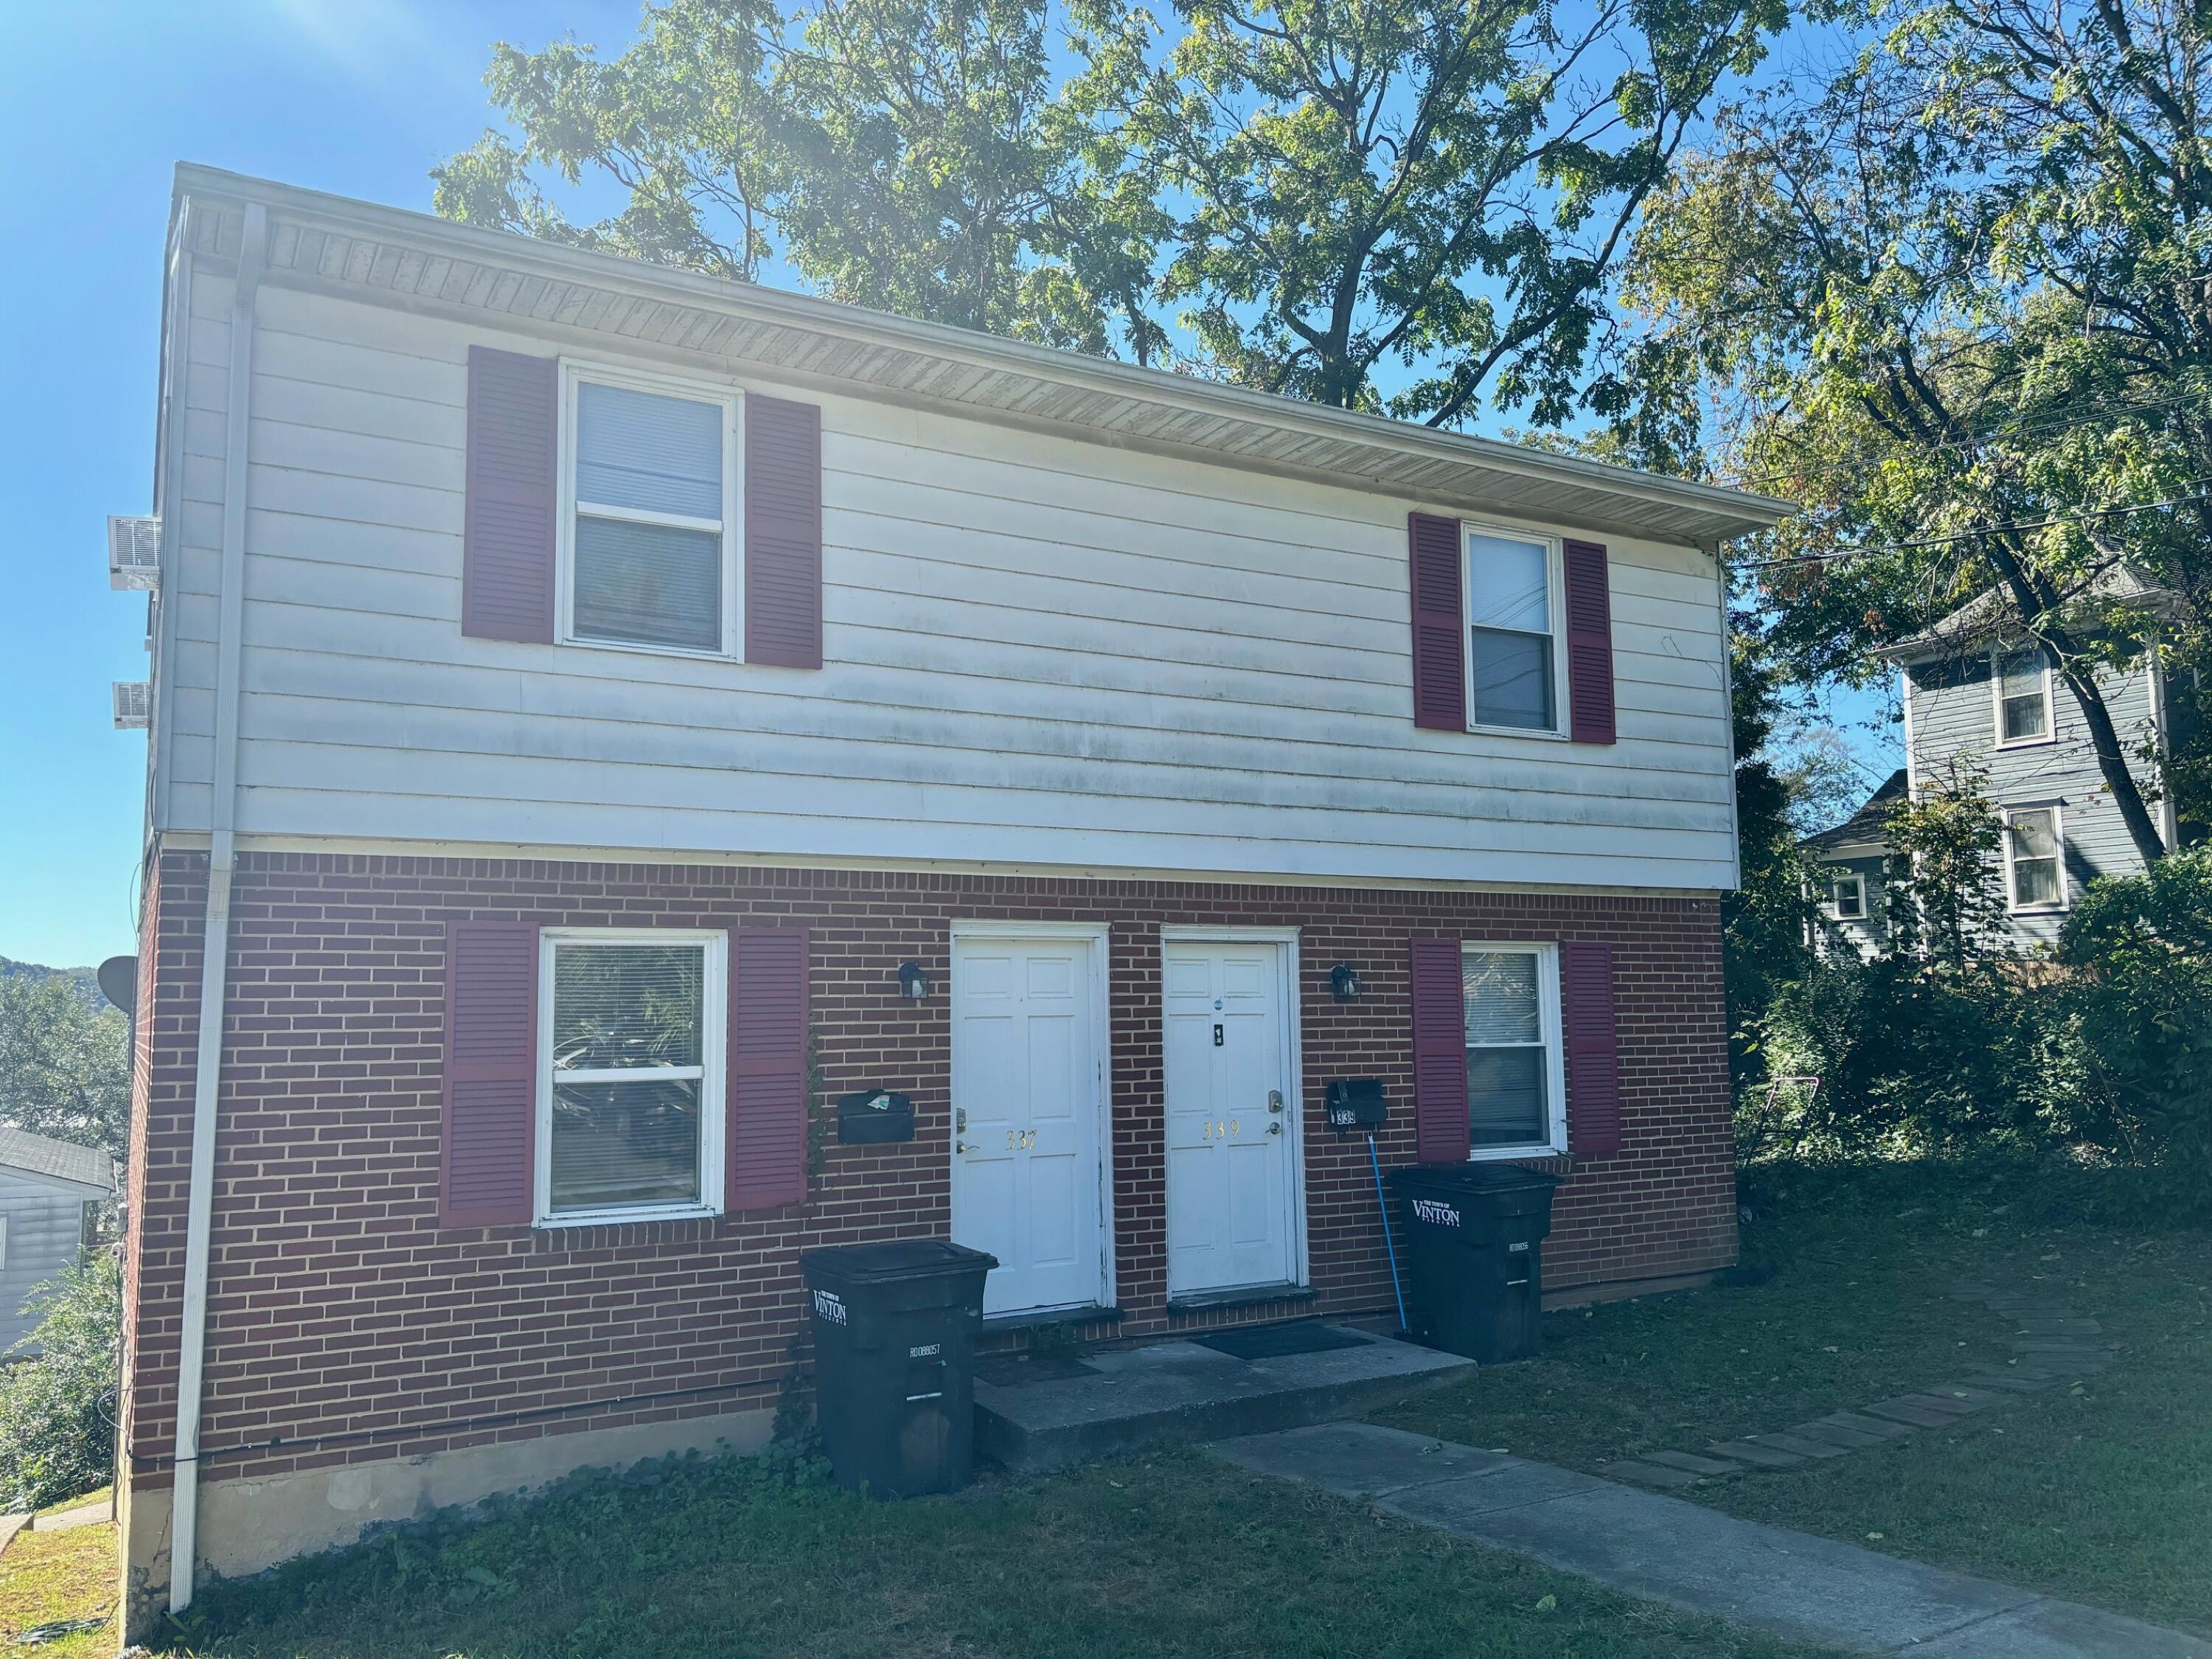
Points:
(487, 1151)
(1440, 1131)
(1439, 647)
(1593, 1054)
(1589, 642)
(766, 1150)
(507, 538)
(783, 534)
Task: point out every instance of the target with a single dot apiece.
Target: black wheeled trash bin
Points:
(1474, 1255)
(895, 1329)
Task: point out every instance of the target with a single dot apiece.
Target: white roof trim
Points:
(385, 255)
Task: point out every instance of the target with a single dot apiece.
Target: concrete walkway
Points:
(1810, 1589)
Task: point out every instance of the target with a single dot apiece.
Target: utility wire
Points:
(1973, 535)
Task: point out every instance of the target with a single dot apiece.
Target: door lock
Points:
(960, 1117)
(1274, 1100)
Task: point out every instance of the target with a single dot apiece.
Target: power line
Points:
(1974, 535)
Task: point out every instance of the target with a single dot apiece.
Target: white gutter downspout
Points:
(215, 949)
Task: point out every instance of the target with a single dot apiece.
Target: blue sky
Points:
(98, 100)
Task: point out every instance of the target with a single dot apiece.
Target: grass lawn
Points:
(1171, 1555)
(47, 1577)
(2103, 1495)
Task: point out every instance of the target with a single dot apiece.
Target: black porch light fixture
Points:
(914, 982)
(1344, 982)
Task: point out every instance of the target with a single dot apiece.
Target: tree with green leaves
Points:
(1941, 882)
(64, 1067)
(1323, 193)
(1958, 299)
(1439, 186)
(915, 155)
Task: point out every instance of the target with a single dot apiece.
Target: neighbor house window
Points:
(2034, 859)
(2023, 682)
(651, 476)
(1847, 895)
(630, 1081)
(1513, 656)
(1513, 1076)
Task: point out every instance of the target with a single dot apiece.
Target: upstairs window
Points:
(1513, 656)
(1847, 895)
(631, 1070)
(651, 476)
(2034, 859)
(2023, 683)
(1514, 1072)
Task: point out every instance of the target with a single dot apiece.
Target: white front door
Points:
(1028, 1081)
(1233, 1124)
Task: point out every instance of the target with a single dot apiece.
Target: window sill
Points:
(1529, 732)
(2037, 910)
(574, 1219)
(634, 648)
(1510, 1154)
(2026, 742)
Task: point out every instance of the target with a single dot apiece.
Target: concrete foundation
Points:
(248, 1526)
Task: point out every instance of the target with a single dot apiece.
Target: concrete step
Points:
(1176, 1393)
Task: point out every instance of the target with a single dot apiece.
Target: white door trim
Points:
(1097, 934)
(1294, 1104)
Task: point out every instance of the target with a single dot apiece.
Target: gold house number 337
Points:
(1020, 1140)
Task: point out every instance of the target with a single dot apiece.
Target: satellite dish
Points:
(118, 982)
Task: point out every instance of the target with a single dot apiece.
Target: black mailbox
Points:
(874, 1115)
(1355, 1104)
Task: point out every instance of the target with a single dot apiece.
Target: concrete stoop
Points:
(1177, 1393)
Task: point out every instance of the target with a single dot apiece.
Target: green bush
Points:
(2140, 950)
(58, 1411)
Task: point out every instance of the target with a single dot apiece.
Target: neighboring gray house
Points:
(1975, 689)
(51, 1193)
(1848, 861)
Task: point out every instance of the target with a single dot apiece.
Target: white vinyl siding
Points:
(41, 1233)
(1038, 652)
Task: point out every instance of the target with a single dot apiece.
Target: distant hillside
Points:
(81, 978)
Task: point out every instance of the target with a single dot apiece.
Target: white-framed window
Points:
(1515, 653)
(1515, 1073)
(650, 513)
(1847, 895)
(631, 1074)
(2035, 858)
(2021, 679)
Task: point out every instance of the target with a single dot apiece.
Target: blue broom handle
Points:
(1389, 1248)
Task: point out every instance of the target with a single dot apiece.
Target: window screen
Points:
(1507, 1055)
(2025, 711)
(2034, 846)
(648, 526)
(1509, 642)
(1848, 896)
(627, 1076)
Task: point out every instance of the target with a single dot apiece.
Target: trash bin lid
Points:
(1473, 1180)
(893, 1259)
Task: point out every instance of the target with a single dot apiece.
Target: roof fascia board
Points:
(1739, 511)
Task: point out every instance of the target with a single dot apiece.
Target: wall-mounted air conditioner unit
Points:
(134, 553)
(132, 701)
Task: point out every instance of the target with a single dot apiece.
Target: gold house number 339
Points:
(1228, 1131)
(1020, 1140)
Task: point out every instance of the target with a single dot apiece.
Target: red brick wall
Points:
(343, 1320)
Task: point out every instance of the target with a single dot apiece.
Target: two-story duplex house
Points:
(1982, 699)
(599, 715)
